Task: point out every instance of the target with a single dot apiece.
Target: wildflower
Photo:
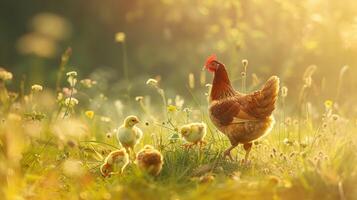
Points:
(243, 74)
(284, 91)
(120, 37)
(36, 88)
(60, 96)
(89, 114)
(187, 110)
(152, 82)
(72, 80)
(245, 64)
(139, 98)
(328, 104)
(5, 75)
(191, 80)
(171, 108)
(72, 73)
(88, 83)
(71, 102)
(67, 91)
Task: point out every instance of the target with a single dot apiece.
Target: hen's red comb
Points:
(213, 57)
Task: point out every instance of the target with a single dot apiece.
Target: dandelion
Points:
(171, 108)
(191, 80)
(328, 104)
(89, 114)
(71, 102)
(120, 37)
(36, 88)
(152, 82)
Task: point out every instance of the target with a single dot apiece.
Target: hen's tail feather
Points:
(264, 99)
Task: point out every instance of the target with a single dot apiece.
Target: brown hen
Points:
(243, 118)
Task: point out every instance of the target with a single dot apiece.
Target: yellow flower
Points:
(171, 108)
(120, 37)
(328, 104)
(89, 114)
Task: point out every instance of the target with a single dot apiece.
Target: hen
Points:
(243, 118)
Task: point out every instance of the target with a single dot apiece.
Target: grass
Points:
(50, 147)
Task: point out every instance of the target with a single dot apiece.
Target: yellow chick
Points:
(115, 163)
(150, 160)
(128, 134)
(194, 133)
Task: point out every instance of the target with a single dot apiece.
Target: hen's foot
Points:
(188, 146)
(228, 153)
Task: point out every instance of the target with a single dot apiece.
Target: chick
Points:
(150, 160)
(194, 133)
(115, 163)
(128, 134)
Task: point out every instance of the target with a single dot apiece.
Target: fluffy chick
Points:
(114, 163)
(150, 160)
(128, 134)
(194, 133)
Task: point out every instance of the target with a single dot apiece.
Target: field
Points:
(59, 118)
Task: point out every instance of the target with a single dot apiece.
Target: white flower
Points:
(72, 73)
(72, 80)
(152, 82)
(71, 102)
(36, 88)
(5, 75)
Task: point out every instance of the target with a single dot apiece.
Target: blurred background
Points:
(169, 39)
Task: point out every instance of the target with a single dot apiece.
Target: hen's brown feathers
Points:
(254, 106)
(261, 104)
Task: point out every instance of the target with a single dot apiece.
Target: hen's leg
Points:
(247, 147)
(227, 152)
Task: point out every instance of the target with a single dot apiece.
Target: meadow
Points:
(52, 146)
(68, 79)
